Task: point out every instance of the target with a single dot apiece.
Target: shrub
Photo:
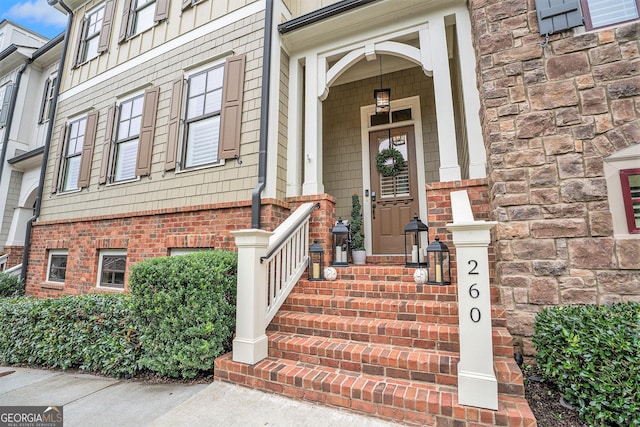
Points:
(185, 306)
(10, 285)
(90, 332)
(593, 354)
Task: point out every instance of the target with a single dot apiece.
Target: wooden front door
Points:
(394, 199)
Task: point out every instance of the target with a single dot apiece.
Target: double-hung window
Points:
(630, 184)
(140, 15)
(129, 138)
(72, 167)
(57, 271)
(47, 99)
(204, 102)
(602, 13)
(94, 32)
(210, 129)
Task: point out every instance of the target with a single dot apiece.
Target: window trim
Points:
(47, 99)
(57, 252)
(117, 141)
(115, 253)
(628, 199)
(66, 157)
(588, 22)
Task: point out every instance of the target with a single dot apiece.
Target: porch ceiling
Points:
(360, 20)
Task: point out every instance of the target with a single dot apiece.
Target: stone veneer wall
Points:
(549, 116)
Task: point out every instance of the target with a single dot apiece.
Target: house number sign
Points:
(474, 292)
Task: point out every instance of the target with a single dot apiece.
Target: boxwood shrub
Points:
(185, 306)
(91, 332)
(592, 353)
(10, 285)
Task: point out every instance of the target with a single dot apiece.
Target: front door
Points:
(394, 199)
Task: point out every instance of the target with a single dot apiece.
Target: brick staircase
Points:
(377, 343)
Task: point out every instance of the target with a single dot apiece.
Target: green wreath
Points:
(393, 169)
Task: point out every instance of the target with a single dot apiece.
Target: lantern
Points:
(415, 233)
(438, 259)
(316, 261)
(340, 245)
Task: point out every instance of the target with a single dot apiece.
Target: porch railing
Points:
(269, 265)
(3, 261)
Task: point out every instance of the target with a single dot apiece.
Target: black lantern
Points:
(438, 259)
(415, 233)
(382, 96)
(340, 246)
(316, 261)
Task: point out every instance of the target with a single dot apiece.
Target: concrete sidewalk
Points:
(90, 400)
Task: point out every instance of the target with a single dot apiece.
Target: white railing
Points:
(287, 257)
(3, 261)
(269, 265)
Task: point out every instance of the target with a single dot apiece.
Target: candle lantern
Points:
(316, 261)
(415, 233)
(340, 245)
(438, 259)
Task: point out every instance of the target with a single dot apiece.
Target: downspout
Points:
(12, 108)
(264, 117)
(47, 141)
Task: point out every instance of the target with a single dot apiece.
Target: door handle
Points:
(373, 205)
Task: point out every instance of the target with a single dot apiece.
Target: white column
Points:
(313, 131)
(294, 135)
(471, 97)
(18, 226)
(449, 167)
(251, 344)
(477, 384)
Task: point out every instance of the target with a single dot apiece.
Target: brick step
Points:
(424, 311)
(392, 289)
(409, 402)
(393, 332)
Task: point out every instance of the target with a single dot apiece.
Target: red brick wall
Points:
(15, 255)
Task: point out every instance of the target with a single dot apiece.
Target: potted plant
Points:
(358, 253)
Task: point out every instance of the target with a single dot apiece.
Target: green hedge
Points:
(91, 332)
(593, 354)
(186, 309)
(10, 285)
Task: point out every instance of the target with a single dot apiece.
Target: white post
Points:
(312, 130)
(251, 344)
(477, 384)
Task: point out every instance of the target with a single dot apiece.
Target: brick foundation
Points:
(15, 255)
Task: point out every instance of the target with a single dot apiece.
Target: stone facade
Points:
(551, 115)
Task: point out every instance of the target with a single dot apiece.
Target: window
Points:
(129, 138)
(630, 183)
(212, 120)
(72, 168)
(57, 270)
(94, 33)
(112, 268)
(47, 98)
(140, 15)
(602, 13)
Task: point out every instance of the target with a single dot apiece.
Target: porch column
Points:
(294, 135)
(471, 97)
(312, 131)
(449, 167)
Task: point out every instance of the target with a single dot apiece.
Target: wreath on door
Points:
(398, 162)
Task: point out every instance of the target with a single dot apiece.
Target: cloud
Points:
(36, 11)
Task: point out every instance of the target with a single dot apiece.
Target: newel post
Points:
(477, 384)
(250, 343)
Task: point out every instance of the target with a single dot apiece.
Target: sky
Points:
(35, 15)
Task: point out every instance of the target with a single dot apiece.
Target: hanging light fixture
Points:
(382, 96)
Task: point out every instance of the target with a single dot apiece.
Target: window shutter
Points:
(147, 131)
(87, 149)
(162, 10)
(107, 23)
(557, 15)
(43, 104)
(106, 146)
(124, 23)
(6, 101)
(80, 42)
(173, 131)
(231, 114)
(58, 161)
